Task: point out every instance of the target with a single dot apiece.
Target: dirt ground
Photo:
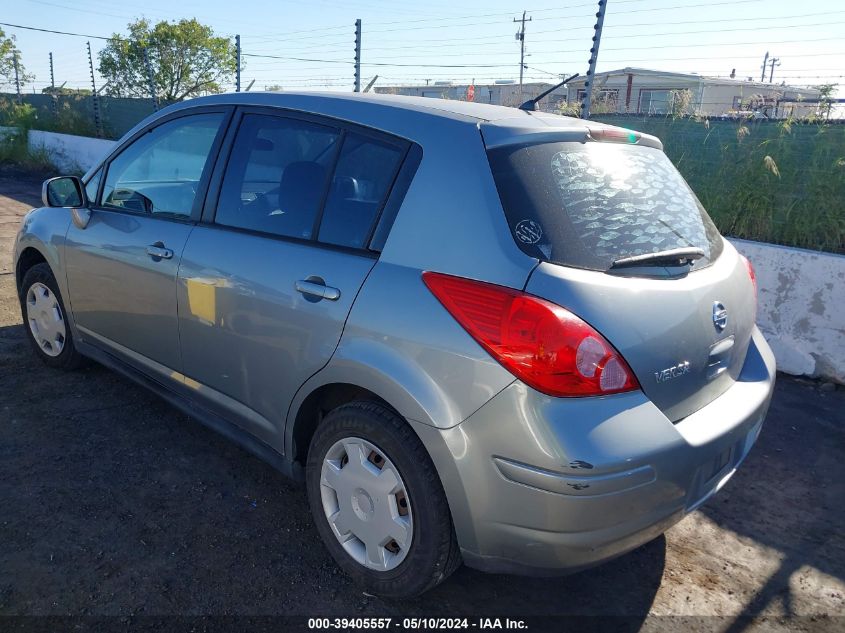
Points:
(113, 503)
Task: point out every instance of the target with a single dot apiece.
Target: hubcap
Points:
(366, 504)
(46, 321)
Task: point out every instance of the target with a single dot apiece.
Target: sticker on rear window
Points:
(528, 232)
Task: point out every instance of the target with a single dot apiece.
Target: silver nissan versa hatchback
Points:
(477, 333)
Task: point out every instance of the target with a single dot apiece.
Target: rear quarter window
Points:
(363, 175)
(588, 205)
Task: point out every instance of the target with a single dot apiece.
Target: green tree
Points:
(8, 50)
(187, 59)
(826, 98)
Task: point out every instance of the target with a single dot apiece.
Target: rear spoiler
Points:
(496, 136)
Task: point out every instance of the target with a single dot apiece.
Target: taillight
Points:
(541, 343)
(753, 276)
(751, 272)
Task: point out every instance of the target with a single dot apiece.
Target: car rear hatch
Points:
(624, 243)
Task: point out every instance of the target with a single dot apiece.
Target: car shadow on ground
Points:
(791, 488)
(115, 503)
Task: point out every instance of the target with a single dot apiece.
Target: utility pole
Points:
(238, 69)
(150, 83)
(594, 55)
(774, 61)
(357, 56)
(17, 77)
(765, 63)
(98, 124)
(520, 35)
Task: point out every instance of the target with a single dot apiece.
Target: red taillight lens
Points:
(542, 344)
(751, 272)
(753, 276)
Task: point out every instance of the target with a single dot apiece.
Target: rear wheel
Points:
(43, 314)
(378, 502)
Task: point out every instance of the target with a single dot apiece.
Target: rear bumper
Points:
(543, 485)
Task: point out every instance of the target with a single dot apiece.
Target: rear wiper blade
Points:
(673, 257)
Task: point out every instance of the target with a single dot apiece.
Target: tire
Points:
(63, 355)
(433, 552)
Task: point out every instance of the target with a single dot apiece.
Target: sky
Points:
(409, 43)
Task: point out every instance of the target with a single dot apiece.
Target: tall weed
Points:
(772, 181)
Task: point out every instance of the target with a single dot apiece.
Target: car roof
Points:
(408, 116)
(312, 100)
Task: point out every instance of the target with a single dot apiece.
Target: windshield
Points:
(588, 205)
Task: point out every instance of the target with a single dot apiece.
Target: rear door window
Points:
(277, 175)
(588, 205)
(363, 177)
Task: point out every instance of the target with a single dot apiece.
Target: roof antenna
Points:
(531, 104)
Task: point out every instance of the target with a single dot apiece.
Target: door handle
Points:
(158, 251)
(317, 289)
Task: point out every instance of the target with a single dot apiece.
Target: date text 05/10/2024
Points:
(416, 623)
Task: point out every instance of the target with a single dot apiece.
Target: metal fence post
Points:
(54, 98)
(594, 55)
(94, 96)
(150, 82)
(357, 55)
(238, 69)
(17, 77)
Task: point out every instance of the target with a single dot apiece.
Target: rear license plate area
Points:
(715, 466)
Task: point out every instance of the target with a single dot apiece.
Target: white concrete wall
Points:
(70, 153)
(801, 307)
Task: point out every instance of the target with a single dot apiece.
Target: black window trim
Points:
(100, 169)
(327, 186)
(202, 189)
(394, 198)
(343, 127)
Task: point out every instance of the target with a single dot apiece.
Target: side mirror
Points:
(64, 191)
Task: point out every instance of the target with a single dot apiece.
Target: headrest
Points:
(303, 176)
(346, 187)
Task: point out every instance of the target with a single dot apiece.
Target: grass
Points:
(772, 181)
(15, 149)
(15, 152)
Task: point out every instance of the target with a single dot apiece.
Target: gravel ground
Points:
(113, 503)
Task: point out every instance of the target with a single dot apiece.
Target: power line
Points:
(626, 48)
(453, 44)
(482, 15)
(33, 28)
(718, 21)
(563, 17)
(649, 24)
(300, 59)
(690, 6)
(339, 61)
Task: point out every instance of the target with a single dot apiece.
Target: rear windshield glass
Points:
(588, 205)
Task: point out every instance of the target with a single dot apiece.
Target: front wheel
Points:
(44, 318)
(378, 502)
